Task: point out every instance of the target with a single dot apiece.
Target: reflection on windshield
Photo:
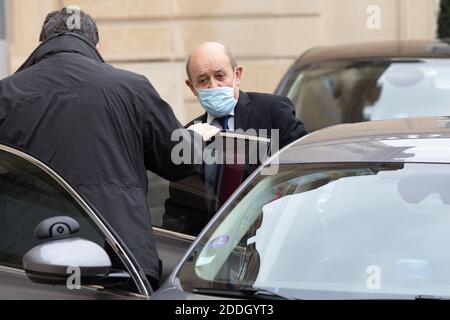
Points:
(367, 229)
(333, 93)
(411, 90)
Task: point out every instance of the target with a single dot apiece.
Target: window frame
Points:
(163, 231)
(116, 244)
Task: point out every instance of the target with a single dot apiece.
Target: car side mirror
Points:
(57, 260)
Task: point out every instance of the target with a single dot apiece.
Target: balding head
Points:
(209, 49)
(211, 65)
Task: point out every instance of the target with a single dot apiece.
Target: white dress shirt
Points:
(212, 121)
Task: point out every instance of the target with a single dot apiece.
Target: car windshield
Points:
(330, 93)
(358, 230)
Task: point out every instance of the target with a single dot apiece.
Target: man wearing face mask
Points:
(215, 77)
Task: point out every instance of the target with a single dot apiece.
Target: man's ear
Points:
(239, 72)
(97, 46)
(191, 86)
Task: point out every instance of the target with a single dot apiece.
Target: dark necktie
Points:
(224, 122)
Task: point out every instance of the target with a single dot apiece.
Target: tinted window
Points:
(331, 93)
(28, 196)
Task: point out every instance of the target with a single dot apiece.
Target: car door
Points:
(30, 193)
(180, 210)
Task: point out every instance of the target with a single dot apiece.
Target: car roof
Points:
(376, 50)
(424, 139)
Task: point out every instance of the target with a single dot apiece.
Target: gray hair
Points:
(59, 21)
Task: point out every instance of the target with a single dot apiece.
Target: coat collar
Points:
(62, 42)
(242, 111)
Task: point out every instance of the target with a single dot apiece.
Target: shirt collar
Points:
(210, 118)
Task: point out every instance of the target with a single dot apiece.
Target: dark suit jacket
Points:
(265, 111)
(253, 111)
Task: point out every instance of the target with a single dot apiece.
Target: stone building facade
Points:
(153, 37)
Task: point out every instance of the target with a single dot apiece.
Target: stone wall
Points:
(153, 37)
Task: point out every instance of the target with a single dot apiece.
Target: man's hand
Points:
(205, 130)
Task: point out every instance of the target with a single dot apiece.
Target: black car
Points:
(373, 81)
(356, 211)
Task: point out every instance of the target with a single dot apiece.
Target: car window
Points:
(186, 206)
(330, 93)
(333, 230)
(28, 195)
(411, 90)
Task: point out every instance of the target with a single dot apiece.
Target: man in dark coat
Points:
(212, 68)
(214, 77)
(98, 126)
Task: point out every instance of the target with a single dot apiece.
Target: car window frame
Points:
(290, 77)
(136, 273)
(159, 230)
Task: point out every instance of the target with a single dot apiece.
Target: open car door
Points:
(180, 210)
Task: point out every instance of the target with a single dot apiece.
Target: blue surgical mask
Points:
(219, 101)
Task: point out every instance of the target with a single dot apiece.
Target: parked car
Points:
(373, 81)
(356, 211)
(328, 85)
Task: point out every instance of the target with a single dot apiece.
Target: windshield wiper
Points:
(245, 293)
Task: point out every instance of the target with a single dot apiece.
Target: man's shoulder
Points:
(102, 73)
(201, 119)
(123, 75)
(129, 81)
(267, 99)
